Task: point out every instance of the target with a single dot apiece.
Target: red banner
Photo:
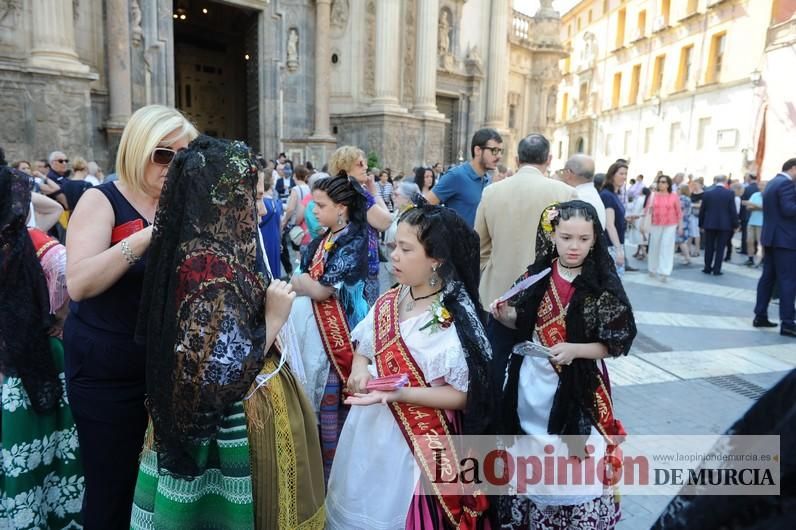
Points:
(427, 430)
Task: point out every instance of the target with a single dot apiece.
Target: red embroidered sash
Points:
(424, 428)
(331, 320)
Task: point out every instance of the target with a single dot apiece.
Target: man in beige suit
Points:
(506, 222)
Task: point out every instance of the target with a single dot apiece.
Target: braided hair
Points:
(345, 190)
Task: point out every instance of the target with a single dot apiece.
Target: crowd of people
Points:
(173, 366)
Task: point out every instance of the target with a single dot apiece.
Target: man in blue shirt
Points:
(461, 187)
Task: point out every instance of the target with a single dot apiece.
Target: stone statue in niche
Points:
(135, 22)
(444, 37)
(339, 14)
(589, 54)
(550, 112)
(292, 49)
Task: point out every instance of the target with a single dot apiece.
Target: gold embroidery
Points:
(316, 522)
(285, 452)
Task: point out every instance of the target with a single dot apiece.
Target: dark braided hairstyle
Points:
(445, 236)
(345, 190)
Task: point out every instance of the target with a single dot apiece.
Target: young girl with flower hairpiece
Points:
(581, 314)
(331, 301)
(427, 329)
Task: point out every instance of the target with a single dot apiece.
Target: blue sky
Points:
(529, 7)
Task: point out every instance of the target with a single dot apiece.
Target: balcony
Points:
(535, 34)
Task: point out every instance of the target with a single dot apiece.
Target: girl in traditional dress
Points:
(331, 300)
(232, 443)
(581, 313)
(41, 480)
(350, 161)
(429, 328)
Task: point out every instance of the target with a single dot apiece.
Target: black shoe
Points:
(789, 330)
(628, 268)
(750, 262)
(718, 273)
(727, 258)
(706, 271)
(763, 322)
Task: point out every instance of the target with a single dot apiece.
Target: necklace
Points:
(410, 305)
(568, 273)
(335, 232)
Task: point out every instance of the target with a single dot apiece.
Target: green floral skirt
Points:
(41, 484)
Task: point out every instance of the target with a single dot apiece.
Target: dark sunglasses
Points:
(62, 160)
(162, 156)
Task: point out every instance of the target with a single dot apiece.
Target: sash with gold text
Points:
(425, 429)
(331, 320)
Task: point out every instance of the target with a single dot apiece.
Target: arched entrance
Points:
(215, 67)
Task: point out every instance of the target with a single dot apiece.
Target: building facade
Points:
(669, 85)
(408, 80)
(776, 129)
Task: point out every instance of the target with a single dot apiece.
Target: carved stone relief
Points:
(10, 11)
(12, 104)
(339, 15)
(370, 49)
(410, 34)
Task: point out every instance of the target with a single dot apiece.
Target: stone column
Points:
(388, 60)
(54, 37)
(322, 12)
(117, 35)
(498, 72)
(426, 58)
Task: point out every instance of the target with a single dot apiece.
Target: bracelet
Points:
(128, 254)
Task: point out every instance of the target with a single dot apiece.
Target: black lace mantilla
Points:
(599, 311)
(202, 312)
(24, 299)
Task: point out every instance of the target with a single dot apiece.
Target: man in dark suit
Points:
(718, 218)
(778, 238)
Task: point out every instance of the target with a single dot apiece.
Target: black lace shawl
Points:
(346, 264)
(202, 313)
(599, 311)
(773, 414)
(24, 298)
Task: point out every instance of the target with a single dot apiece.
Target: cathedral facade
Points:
(409, 81)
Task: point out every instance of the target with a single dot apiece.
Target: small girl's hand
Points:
(372, 398)
(564, 353)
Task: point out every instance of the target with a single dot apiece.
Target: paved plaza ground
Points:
(697, 363)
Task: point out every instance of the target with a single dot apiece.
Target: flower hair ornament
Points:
(548, 216)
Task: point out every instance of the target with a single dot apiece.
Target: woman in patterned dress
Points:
(41, 479)
(232, 443)
(581, 313)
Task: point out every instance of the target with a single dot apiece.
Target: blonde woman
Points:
(109, 234)
(350, 161)
(79, 169)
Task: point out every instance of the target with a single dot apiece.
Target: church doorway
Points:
(216, 72)
(449, 107)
